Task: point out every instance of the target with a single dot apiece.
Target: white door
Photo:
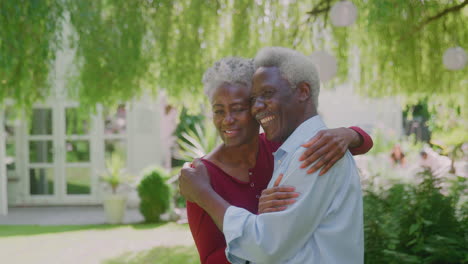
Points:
(59, 156)
(41, 155)
(66, 150)
(79, 178)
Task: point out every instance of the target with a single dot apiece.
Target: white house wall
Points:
(342, 107)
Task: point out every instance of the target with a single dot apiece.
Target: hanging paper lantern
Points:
(455, 58)
(326, 65)
(343, 14)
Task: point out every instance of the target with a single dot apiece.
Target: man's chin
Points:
(271, 136)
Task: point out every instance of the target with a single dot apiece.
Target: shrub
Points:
(414, 224)
(155, 194)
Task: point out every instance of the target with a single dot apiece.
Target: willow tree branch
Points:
(322, 7)
(435, 17)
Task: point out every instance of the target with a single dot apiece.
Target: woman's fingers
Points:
(332, 148)
(315, 156)
(313, 145)
(329, 165)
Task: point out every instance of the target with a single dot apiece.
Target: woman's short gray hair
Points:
(228, 70)
(293, 66)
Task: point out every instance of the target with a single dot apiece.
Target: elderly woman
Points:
(241, 167)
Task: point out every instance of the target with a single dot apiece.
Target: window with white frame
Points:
(115, 131)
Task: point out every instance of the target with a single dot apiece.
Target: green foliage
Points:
(29, 39)
(197, 142)
(187, 121)
(414, 224)
(109, 38)
(123, 47)
(115, 174)
(406, 50)
(381, 143)
(155, 194)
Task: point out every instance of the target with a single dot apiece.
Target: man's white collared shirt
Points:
(325, 225)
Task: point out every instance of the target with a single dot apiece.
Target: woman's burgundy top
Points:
(208, 238)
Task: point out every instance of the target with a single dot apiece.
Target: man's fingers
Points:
(271, 210)
(282, 188)
(278, 196)
(275, 204)
(277, 182)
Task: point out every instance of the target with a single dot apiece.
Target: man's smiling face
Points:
(273, 103)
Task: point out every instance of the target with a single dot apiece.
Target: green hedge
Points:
(155, 194)
(416, 224)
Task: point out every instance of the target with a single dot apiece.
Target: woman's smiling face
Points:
(231, 114)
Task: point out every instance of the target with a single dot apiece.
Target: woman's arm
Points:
(366, 142)
(208, 238)
(330, 145)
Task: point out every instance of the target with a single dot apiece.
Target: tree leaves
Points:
(29, 39)
(126, 47)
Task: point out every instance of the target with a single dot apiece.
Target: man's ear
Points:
(304, 91)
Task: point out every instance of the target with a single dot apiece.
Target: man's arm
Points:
(278, 236)
(274, 236)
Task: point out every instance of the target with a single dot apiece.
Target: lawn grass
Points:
(159, 255)
(172, 245)
(29, 230)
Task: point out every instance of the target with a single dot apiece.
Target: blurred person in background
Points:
(397, 156)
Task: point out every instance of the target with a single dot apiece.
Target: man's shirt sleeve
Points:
(276, 237)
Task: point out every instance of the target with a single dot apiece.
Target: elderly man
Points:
(325, 224)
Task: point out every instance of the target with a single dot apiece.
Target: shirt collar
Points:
(302, 133)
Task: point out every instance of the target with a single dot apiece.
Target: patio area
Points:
(79, 235)
(63, 215)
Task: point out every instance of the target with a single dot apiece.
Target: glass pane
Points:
(9, 123)
(115, 120)
(41, 181)
(41, 122)
(116, 146)
(10, 155)
(77, 123)
(78, 180)
(9, 126)
(40, 151)
(78, 151)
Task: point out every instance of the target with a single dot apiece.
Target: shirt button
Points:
(257, 196)
(279, 161)
(252, 184)
(250, 173)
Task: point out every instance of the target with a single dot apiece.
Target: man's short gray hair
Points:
(234, 70)
(293, 66)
